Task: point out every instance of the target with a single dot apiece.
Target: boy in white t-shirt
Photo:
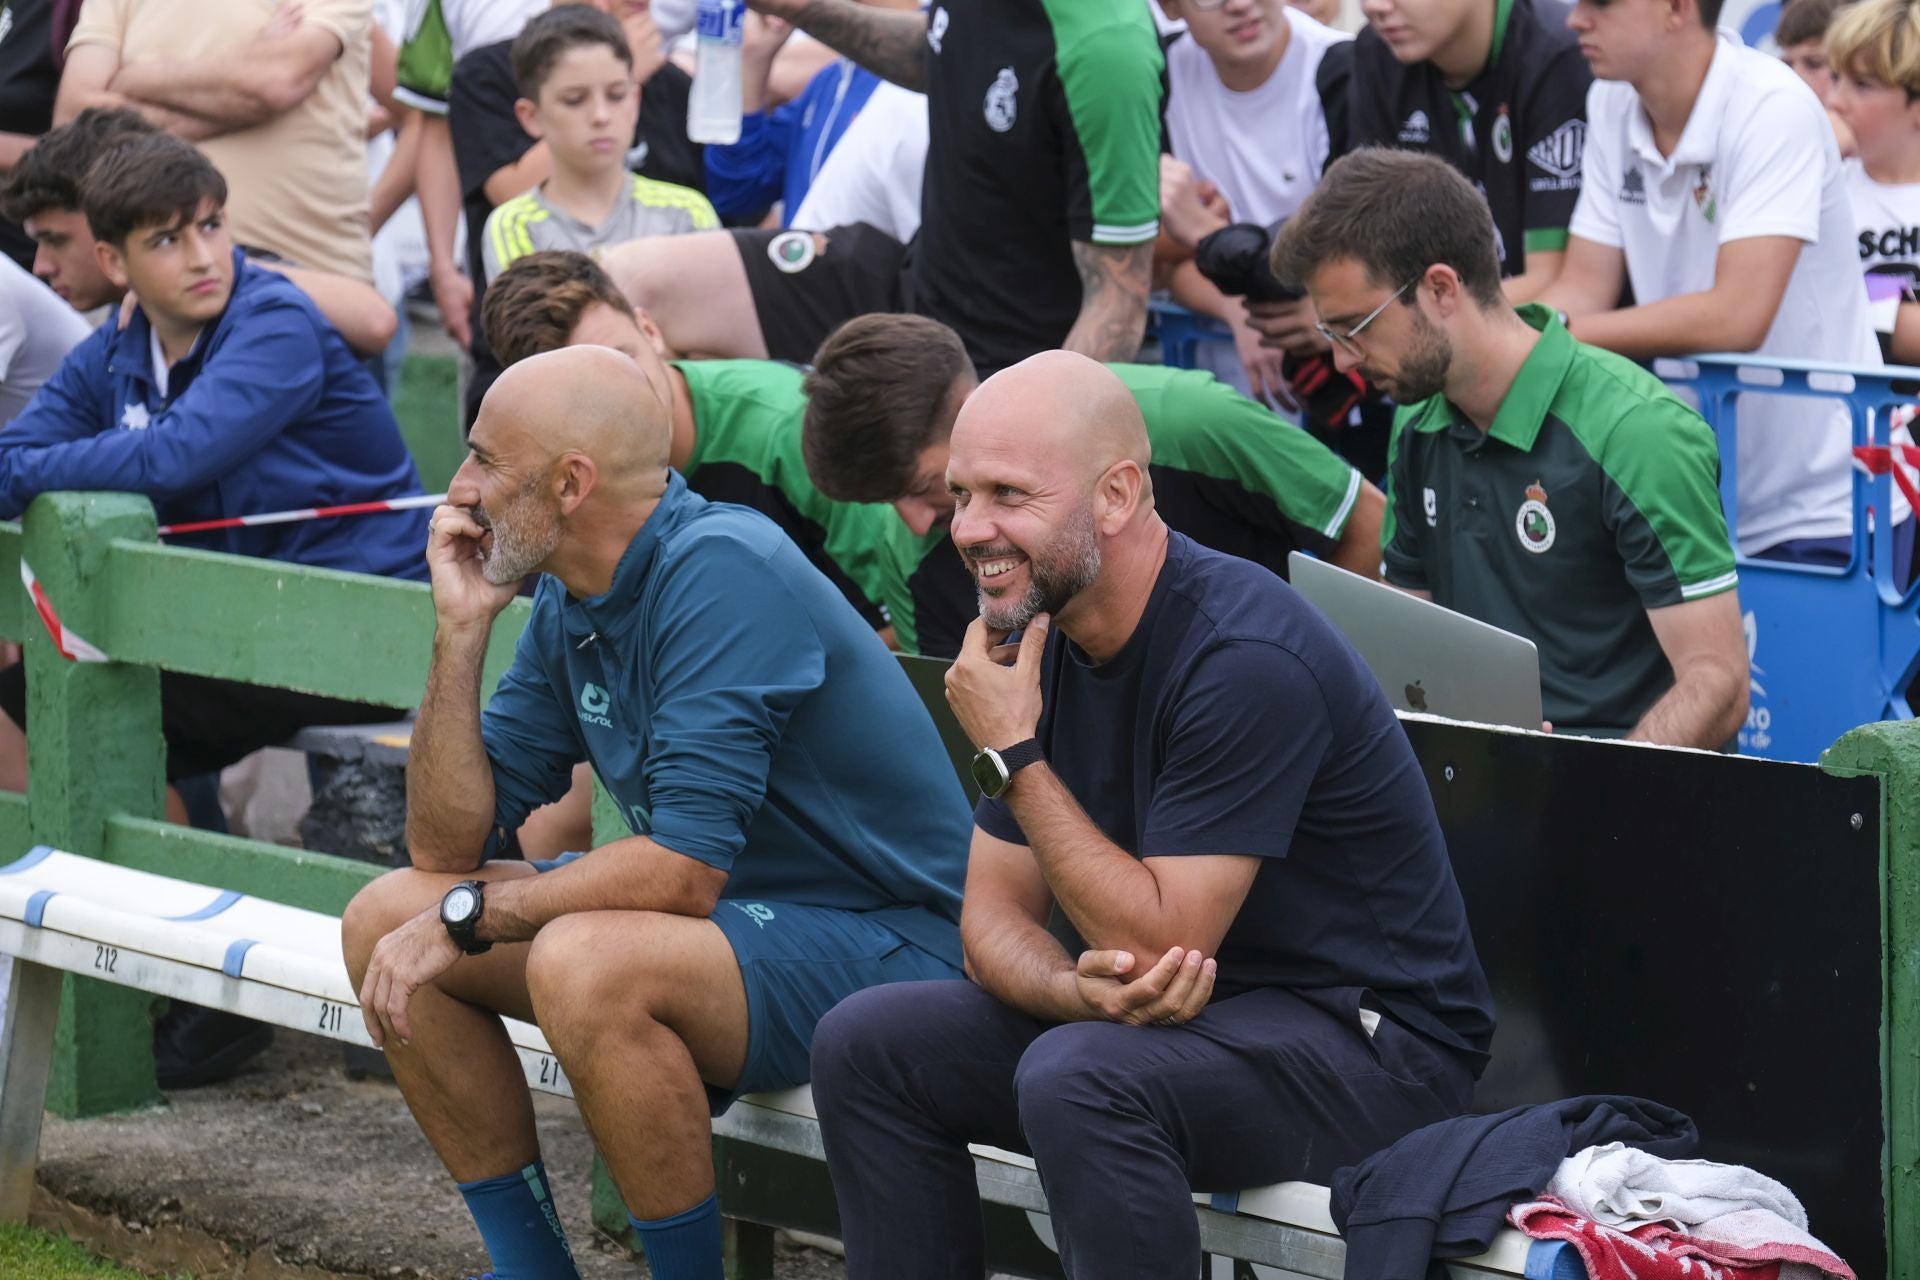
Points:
(1247, 112)
(1874, 52)
(1714, 185)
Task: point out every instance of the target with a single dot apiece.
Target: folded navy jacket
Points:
(1444, 1191)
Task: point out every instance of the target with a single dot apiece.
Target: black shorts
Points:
(209, 724)
(803, 293)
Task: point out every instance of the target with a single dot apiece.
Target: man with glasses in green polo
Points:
(1549, 488)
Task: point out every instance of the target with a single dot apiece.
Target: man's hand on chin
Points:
(994, 687)
(462, 595)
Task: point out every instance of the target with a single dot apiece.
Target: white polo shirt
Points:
(1264, 148)
(1757, 158)
(37, 330)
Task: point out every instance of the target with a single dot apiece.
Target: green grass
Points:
(27, 1254)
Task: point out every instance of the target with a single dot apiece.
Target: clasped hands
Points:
(1171, 993)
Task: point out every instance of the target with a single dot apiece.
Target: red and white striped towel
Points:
(1657, 1251)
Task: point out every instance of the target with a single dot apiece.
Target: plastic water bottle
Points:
(713, 109)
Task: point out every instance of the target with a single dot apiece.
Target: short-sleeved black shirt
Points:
(1517, 130)
(1043, 129)
(1236, 720)
(487, 137)
(29, 79)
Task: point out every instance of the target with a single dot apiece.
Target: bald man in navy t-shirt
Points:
(1270, 973)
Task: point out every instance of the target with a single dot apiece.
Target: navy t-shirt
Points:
(1236, 720)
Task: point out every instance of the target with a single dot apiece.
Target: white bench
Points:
(281, 965)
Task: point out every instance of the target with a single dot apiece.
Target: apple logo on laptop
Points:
(1416, 697)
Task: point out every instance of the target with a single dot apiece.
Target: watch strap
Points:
(1021, 754)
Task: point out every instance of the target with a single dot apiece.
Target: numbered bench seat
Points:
(282, 965)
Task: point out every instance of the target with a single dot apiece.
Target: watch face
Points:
(989, 773)
(458, 904)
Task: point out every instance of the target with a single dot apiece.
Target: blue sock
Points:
(685, 1246)
(517, 1220)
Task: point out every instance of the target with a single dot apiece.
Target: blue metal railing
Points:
(1831, 647)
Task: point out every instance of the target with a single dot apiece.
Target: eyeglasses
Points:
(1349, 341)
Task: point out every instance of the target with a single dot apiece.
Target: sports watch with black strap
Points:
(993, 769)
(460, 912)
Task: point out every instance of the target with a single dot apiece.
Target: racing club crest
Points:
(1001, 106)
(1534, 523)
(792, 251)
(1703, 193)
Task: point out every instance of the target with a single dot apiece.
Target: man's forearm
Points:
(1686, 324)
(1703, 709)
(1114, 283)
(437, 183)
(395, 183)
(1017, 961)
(888, 42)
(634, 874)
(1111, 897)
(449, 782)
(1195, 292)
(1542, 270)
(223, 93)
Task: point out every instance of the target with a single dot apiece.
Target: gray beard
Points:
(523, 537)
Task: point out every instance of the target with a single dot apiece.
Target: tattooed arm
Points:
(888, 42)
(1113, 307)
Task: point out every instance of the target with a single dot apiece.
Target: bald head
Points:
(1068, 414)
(590, 400)
(1048, 471)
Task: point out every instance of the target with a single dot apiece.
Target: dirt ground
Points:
(294, 1170)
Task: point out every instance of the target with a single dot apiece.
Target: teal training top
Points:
(739, 713)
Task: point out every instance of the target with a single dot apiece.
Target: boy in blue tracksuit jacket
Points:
(225, 394)
(780, 151)
(268, 411)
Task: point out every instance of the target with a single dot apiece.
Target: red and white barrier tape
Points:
(304, 513)
(76, 648)
(71, 646)
(1878, 459)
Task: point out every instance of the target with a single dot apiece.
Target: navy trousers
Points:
(1125, 1123)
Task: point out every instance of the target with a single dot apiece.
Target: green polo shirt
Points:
(1594, 497)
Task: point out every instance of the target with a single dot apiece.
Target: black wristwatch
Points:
(993, 770)
(460, 913)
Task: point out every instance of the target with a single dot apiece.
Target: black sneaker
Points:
(193, 1046)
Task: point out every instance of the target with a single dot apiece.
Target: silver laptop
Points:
(1425, 657)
